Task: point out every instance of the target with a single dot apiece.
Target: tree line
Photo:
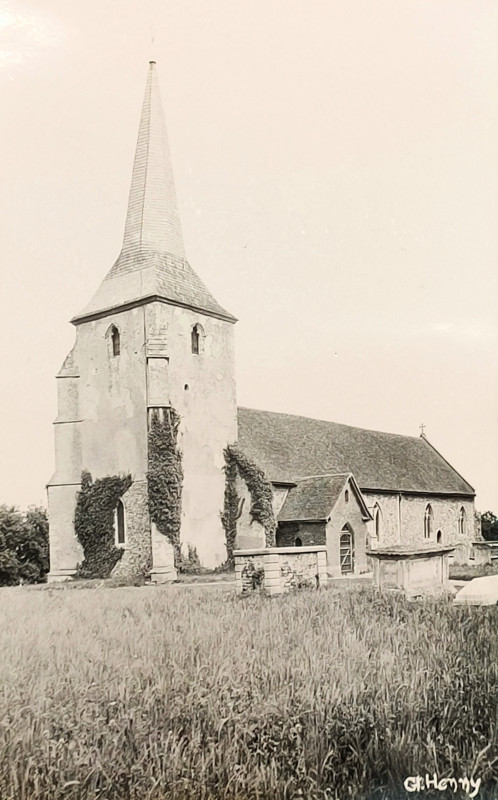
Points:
(24, 554)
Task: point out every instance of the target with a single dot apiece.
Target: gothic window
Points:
(346, 496)
(462, 522)
(115, 341)
(439, 537)
(377, 515)
(197, 340)
(346, 552)
(428, 521)
(298, 542)
(119, 525)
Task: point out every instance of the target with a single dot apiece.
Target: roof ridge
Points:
(329, 422)
(325, 475)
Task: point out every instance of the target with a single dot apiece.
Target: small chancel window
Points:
(377, 515)
(115, 341)
(119, 525)
(298, 542)
(462, 522)
(428, 522)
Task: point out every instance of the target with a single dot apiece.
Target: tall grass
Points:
(151, 693)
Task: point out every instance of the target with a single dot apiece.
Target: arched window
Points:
(439, 537)
(377, 516)
(197, 339)
(298, 542)
(346, 552)
(428, 522)
(346, 496)
(115, 341)
(462, 522)
(119, 525)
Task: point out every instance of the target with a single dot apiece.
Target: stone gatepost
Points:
(273, 577)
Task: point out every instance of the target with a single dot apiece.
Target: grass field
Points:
(190, 692)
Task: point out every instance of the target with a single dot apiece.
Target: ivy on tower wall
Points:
(94, 523)
(260, 490)
(165, 476)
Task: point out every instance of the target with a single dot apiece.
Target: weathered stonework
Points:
(402, 520)
(250, 533)
(417, 570)
(137, 552)
(310, 533)
(299, 570)
(276, 570)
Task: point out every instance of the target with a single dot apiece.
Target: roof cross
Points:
(422, 430)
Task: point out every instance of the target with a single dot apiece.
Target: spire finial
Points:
(422, 430)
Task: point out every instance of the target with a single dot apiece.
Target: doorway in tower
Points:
(346, 550)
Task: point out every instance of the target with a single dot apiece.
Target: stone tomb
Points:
(414, 570)
(274, 570)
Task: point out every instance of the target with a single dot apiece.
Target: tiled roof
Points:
(288, 447)
(151, 273)
(152, 261)
(312, 498)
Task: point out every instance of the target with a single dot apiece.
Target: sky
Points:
(336, 166)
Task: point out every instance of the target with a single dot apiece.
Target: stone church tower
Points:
(152, 337)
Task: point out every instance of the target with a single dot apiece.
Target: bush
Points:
(23, 545)
(191, 565)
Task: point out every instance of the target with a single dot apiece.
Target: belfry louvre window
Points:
(195, 340)
(428, 522)
(116, 342)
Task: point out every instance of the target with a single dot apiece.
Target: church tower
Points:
(152, 341)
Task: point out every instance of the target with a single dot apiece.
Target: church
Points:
(153, 457)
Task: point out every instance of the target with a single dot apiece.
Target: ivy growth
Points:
(94, 523)
(236, 462)
(165, 476)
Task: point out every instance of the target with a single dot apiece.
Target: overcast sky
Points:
(337, 174)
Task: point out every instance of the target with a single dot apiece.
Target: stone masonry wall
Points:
(310, 533)
(402, 520)
(298, 570)
(137, 555)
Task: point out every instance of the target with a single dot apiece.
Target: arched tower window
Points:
(119, 525)
(115, 341)
(428, 521)
(462, 522)
(197, 339)
(377, 516)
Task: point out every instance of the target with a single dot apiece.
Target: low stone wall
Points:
(275, 570)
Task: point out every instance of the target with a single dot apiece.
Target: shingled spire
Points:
(152, 262)
(152, 222)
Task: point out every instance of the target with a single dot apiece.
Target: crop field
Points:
(190, 692)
